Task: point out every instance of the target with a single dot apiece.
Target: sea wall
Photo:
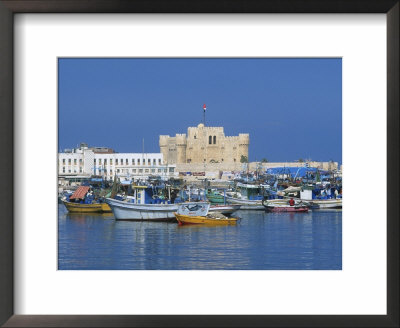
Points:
(194, 171)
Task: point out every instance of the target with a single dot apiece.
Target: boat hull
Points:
(293, 209)
(215, 199)
(186, 219)
(327, 203)
(87, 208)
(224, 209)
(153, 212)
(246, 204)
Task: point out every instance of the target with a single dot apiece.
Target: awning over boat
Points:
(80, 192)
(297, 172)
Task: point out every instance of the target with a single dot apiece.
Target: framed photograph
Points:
(187, 165)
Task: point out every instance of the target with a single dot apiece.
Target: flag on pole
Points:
(204, 107)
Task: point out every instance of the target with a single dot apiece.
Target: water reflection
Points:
(260, 241)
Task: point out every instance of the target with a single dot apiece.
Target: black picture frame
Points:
(10, 7)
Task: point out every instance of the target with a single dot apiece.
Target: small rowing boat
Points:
(286, 206)
(198, 213)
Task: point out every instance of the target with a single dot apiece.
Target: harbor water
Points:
(260, 241)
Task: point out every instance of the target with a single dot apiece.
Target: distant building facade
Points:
(204, 144)
(103, 161)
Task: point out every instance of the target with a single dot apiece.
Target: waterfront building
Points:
(84, 161)
(204, 144)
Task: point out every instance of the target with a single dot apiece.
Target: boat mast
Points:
(143, 164)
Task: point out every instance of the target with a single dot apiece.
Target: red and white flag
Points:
(204, 107)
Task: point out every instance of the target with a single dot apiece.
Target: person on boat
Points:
(291, 202)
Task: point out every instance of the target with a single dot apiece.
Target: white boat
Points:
(126, 210)
(141, 206)
(307, 195)
(224, 209)
(246, 204)
(326, 203)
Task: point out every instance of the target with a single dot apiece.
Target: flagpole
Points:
(204, 114)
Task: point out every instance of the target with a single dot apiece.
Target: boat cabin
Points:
(252, 191)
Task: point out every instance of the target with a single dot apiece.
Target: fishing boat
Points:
(142, 206)
(249, 198)
(198, 213)
(325, 198)
(215, 197)
(83, 201)
(327, 203)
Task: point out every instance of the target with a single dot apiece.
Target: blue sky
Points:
(292, 108)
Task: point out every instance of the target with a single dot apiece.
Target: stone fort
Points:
(204, 144)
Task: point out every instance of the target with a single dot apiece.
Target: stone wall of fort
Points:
(204, 144)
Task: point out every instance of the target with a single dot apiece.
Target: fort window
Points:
(215, 140)
(69, 161)
(126, 161)
(63, 161)
(195, 137)
(138, 161)
(105, 161)
(63, 169)
(210, 140)
(132, 161)
(116, 161)
(149, 161)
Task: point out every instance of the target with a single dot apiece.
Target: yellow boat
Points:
(77, 207)
(197, 213)
(87, 208)
(186, 219)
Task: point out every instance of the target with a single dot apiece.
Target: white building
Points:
(85, 161)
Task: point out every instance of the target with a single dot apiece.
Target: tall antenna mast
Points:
(204, 114)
